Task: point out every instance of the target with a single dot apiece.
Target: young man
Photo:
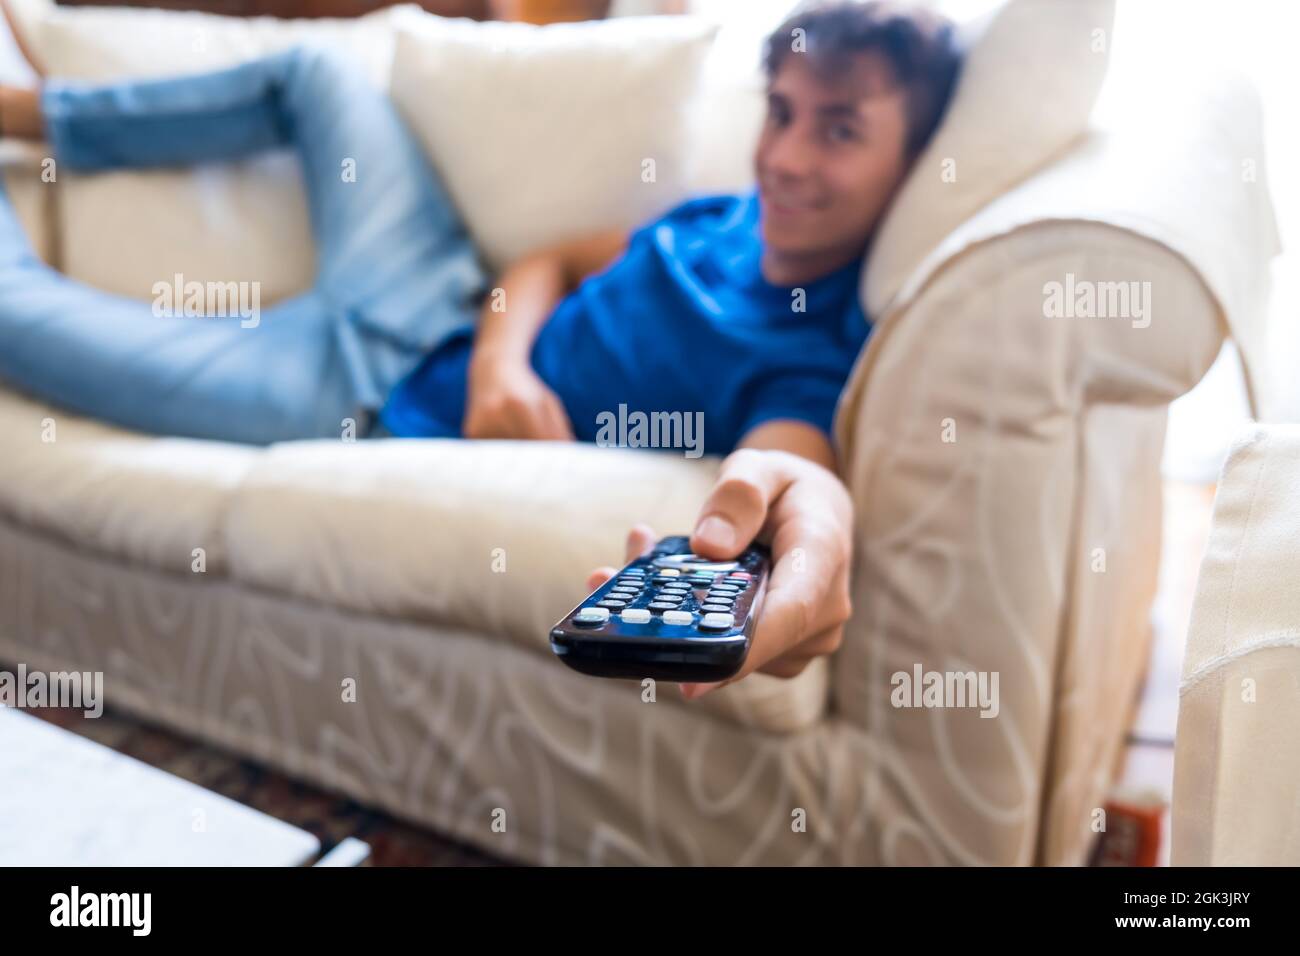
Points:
(742, 308)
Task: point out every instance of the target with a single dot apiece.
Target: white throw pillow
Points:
(1031, 76)
(246, 221)
(548, 133)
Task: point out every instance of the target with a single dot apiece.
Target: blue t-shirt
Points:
(683, 322)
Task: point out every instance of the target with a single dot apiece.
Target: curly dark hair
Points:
(917, 43)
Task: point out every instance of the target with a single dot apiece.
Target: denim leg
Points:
(396, 271)
(389, 241)
(392, 251)
(115, 359)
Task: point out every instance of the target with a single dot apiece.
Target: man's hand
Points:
(507, 399)
(805, 515)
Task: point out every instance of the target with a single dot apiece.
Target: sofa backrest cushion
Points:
(547, 133)
(542, 134)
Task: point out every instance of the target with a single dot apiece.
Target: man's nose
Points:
(788, 155)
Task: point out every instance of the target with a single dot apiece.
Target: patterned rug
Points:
(328, 817)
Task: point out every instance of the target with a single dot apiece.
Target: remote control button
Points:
(630, 582)
(664, 605)
(678, 617)
(718, 608)
(611, 602)
(720, 598)
(622, 590)
(674, 589)
(718, 622)
(693, 562)
(739, 575)
(591, 616)
(669, 573)
(725, 589)
(636, 615)
(701, 579)
(634, 570)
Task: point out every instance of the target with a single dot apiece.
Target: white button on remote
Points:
(718, 621)
(636, 615)
(592, 615)
(678, 617)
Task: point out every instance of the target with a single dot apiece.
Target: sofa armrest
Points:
(1236, 765)
(21, 166)
(1004, 463)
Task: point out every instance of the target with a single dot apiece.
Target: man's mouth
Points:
(787, 206)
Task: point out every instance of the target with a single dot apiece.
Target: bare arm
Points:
(798, 438)
(506, 398)
(530, 289)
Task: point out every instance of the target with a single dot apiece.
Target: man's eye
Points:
(842, 133)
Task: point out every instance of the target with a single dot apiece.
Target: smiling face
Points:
(833, 151)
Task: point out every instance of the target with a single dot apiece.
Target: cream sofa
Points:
(1005, 469)
(1236, 775)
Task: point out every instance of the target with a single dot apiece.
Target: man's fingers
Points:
(537, 423)
(640, 539)
(793, 664)
(737, 507)
(790, 665)
(560, 427)
(599, 576)
(807, 594)
(692, 691)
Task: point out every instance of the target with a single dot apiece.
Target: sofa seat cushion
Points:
(496, 537)
(151, 501)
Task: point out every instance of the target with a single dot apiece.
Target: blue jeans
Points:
(395, 269)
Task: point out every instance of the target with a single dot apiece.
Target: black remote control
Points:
(669, 615)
